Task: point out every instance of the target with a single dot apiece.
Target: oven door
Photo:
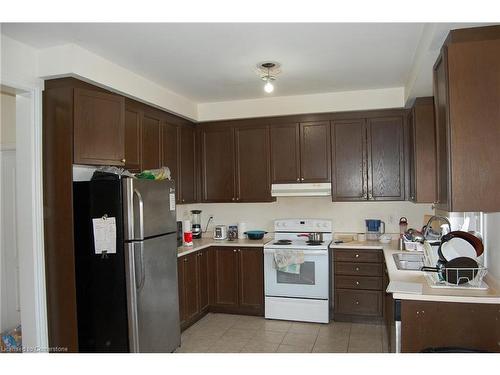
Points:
(311, 282)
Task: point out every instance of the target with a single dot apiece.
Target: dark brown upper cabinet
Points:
(385, 136)
(217, 155)
(151, 125)
(133, 133)
(422, 151)
(349, 176)
(187, 165)
(99, 128)
(253, 164)
(300, 152)
(466, 97)
(368, 159)
(315, 152)
(285, 153)
(169, 152)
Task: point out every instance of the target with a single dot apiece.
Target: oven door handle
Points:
(306, 252)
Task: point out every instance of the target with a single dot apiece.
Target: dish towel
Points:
(288, 261)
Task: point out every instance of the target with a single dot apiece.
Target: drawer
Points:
(361, 269)
(353, 255)
(359, 282)
(358, 302)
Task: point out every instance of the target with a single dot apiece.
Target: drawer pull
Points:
(357, 268)
(357, 255)
(357, 282)
(357, 302)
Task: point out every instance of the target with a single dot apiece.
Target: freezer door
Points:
(149, 208)
(152, 295)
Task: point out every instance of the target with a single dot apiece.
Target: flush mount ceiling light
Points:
(268, 71)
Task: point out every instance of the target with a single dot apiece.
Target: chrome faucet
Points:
(433, 235)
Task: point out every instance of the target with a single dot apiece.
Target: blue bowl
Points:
(255, 234)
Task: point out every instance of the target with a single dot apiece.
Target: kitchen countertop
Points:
(207, 242)
(491, 295)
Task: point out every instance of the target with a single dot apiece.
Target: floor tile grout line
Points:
(349, 341)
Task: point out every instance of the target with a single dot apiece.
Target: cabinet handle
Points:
(370, 196)
(185, 260)
(298, 179)
(357, 255)
(365, 196)
(357, 282)
(232, 198)
(238, 198)
(302, 179)
(357, 302)
(123, 161)
(357, 268)
(234, 250)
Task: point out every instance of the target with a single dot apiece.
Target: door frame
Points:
(29, 207)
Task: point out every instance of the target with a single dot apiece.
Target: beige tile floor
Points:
(224, 333)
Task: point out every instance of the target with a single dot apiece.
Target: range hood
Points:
(301, 190)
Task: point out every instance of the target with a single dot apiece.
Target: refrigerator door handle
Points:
(140, 284)
(141, 213)
(132, 299)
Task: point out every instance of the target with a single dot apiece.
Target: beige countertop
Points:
(207, 242)
(491, 295)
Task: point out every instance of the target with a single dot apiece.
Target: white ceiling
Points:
(215, 62)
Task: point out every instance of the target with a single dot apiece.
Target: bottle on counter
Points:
(188, 234)
(242, 228)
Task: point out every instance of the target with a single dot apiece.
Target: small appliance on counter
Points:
(373, 229)
(232, 233)
(196, 223)
(220, 232)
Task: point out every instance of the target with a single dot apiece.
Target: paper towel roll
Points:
(242, 228)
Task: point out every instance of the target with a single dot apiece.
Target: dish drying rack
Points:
(473, 277)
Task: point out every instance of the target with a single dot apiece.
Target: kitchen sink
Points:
(408, 262)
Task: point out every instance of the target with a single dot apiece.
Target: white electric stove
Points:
(302, 296)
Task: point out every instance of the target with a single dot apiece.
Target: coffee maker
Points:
(196, 223)
(374, 228)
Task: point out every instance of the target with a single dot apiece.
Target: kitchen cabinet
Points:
(99, 127)
(238, 280)
(358, 285)
(368, 159)
(187, 165)
(466, 98)
(217, 150)
(151, 125)
(202, 269)
(253, 167)
(169, 152)
(422, 151)
(300, 152)
(181, 287)
(189, 286)
(133, 133)
(315, 152)
(349, 177)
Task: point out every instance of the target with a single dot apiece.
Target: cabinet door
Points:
(315, 152)
(385, 158)
(99, 128)
(180, 281)
(218, 164)
(133, 118)
(253, 175)
(187, 182)
(285, 153)
(412, 154)
(191, 307)
(225, 276)
(349, 175)
(251, 279)
(169, 149)
(442, 135)
(202, 271)
(150, 141)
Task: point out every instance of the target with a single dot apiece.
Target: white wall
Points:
(493, 243)
(346, 216)
(286, 105)
(7, 120)
(72, 60)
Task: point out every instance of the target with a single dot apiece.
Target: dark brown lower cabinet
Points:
(202, 270)
(426, 324)
(238, 280)
(358, 285)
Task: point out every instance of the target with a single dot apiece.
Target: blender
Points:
(196, 223)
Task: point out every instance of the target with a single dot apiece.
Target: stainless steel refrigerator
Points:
(128, 300)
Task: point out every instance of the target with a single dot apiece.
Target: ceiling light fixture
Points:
(268, 72)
